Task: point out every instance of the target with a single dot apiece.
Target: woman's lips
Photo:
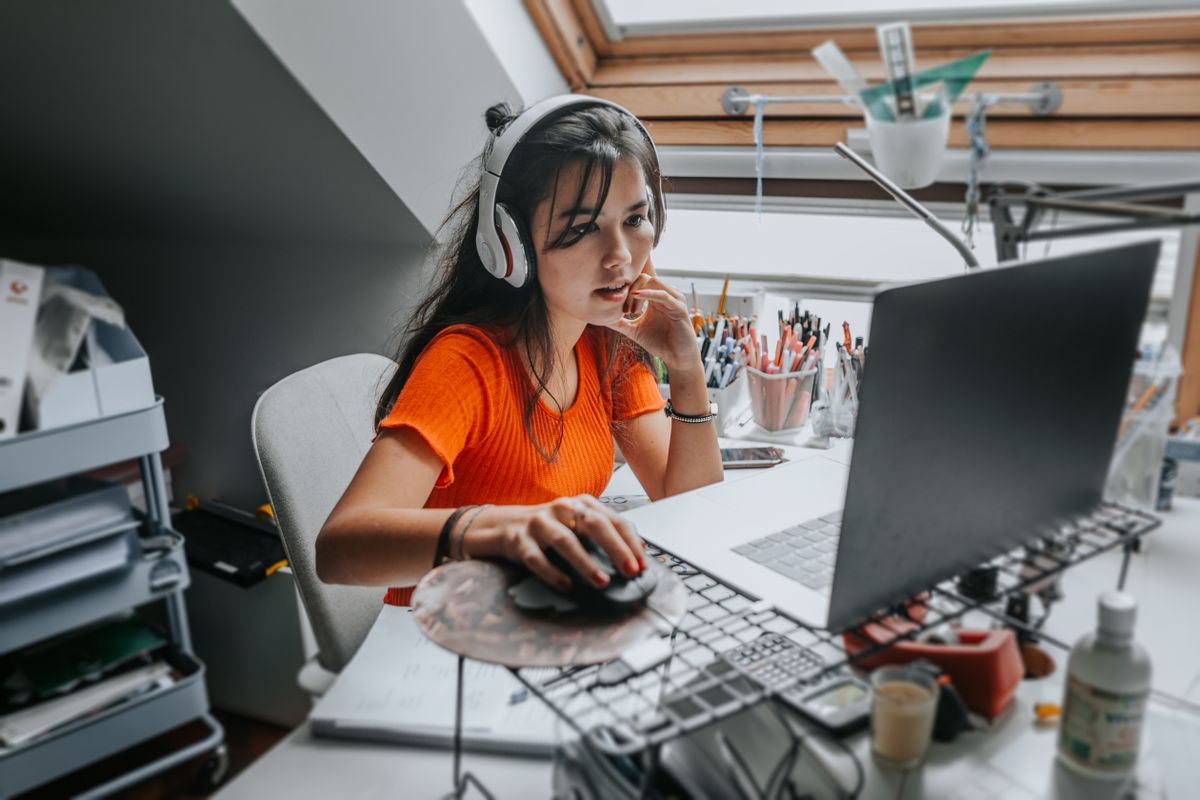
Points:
(617, 296)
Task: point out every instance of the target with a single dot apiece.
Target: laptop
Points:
(988, 416)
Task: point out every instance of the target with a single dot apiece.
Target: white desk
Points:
(1011, 760)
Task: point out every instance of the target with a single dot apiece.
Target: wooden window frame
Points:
(1117, 73)
(1130, 82)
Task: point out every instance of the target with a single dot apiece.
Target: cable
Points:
(860, 775)
(759, 104)
(975, 126)
(1053, 225)
(800, 733)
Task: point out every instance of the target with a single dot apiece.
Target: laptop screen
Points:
(988, 416)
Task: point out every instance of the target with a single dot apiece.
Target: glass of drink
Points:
(902, 712)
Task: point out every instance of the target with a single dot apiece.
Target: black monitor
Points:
(988, 416)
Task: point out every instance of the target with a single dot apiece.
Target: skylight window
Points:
(638, 17)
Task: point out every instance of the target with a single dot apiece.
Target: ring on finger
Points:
(579, 510)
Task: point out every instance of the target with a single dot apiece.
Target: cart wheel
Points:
(213, 770)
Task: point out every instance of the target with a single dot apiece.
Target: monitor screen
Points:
(989, 411)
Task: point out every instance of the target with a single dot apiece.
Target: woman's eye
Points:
(583, 230)
(635, 221)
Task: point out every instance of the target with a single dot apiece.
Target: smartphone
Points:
(750, 457)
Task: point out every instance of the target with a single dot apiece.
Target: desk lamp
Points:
(906, 200)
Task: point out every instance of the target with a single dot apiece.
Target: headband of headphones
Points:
(503, 248)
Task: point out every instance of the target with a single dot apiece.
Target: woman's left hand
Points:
(664, 327)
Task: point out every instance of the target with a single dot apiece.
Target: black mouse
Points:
(620, 593)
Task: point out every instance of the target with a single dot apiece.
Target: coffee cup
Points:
(903, 707)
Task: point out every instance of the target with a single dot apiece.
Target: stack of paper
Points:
(401, 687)
(29, 723)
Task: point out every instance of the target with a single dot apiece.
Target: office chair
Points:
(311, 431)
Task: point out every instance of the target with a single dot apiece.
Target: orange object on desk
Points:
(986, 667)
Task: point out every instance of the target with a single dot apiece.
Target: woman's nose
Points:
(617, 253)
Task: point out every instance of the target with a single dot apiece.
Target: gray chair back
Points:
(311, 431)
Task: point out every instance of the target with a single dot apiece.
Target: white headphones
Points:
(504, 247)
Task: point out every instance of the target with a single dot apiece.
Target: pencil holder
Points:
(730, 401)
(910, 151)
(780, 401)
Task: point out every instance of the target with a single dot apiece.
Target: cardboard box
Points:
(114, 378)
(20, 290)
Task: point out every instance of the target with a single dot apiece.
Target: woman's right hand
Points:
(523, 535)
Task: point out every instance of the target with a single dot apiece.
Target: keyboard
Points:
(804, 553)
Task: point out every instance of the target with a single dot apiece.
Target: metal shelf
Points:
(697, 686)
(108, 732)
(38, 456)
(160, 574)
(154, 576)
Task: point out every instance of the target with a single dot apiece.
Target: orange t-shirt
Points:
(466, 398)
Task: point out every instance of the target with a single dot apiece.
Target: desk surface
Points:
(1012, 759)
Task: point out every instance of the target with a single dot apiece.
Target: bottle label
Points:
(1101, 730)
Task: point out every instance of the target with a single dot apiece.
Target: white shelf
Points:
(38, 456)
(152, 577)
(159, 575)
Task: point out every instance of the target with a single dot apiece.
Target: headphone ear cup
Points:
(518, 248)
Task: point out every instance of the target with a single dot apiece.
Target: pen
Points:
(724, 290)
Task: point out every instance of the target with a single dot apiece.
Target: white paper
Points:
(27, 724)
(400, 686)
(63, 322)
(20, 290)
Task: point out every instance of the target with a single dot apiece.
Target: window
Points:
(624, 18)
(1129, 72)
(821, 255)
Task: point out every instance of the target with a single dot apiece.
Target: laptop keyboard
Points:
(804, 553)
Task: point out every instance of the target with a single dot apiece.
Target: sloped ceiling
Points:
(170, 120)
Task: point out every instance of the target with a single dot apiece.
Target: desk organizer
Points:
(146, 565)
(696, 687)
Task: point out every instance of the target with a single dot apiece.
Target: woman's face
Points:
(588, 281)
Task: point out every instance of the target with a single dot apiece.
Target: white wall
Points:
(408, 82)
(518, 46)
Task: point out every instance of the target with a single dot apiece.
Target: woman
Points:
(497, 431)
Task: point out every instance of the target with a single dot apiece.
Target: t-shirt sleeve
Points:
(636, 391)
(448, 398)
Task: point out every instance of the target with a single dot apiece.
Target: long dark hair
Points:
(594, 138)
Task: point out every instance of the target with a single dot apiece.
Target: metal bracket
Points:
(734, 101)
(1043, 99)
(1049, 98)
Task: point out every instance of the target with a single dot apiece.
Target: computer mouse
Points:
(620, 593)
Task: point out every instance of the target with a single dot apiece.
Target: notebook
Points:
(400, 687)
